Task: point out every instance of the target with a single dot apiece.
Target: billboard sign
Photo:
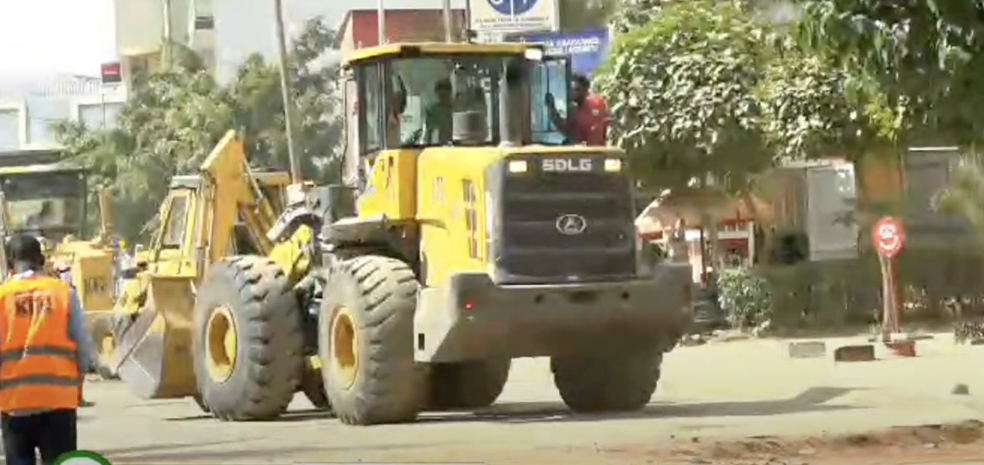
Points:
(507, 16)
(586, 49)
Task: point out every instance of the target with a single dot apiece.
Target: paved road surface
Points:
(716, 392)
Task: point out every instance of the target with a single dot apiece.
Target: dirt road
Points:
(737, 402)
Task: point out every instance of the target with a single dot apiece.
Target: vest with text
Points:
(38, 367)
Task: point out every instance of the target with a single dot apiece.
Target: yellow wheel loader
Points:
(50, 200)
(466, 234)
(224, 210)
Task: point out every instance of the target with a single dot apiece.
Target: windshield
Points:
(449, 99)
(50, 203)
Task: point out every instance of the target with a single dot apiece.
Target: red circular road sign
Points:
(888, 236)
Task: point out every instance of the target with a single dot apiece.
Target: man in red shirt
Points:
(587, 122)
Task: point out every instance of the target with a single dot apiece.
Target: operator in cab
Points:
(438, 118)
(44, 354)
(587, 122)
(42, 217)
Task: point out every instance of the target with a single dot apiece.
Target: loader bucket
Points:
(153, 355)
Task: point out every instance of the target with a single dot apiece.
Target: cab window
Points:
(432, 100)
(173, 235)
(549, 77)
(370, 108)
(442, 91)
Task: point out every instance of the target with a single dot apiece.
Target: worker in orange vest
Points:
(44, 351)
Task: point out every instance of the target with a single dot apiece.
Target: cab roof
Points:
(42, 168)
(434, 48)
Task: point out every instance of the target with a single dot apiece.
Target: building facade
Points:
(143, 26)
(360, 28)
(29, 108)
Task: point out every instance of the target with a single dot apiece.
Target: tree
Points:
(576, 15)
(925, 57)
(629, 14)
(811, 108)
(170, 124)
(317, 128)
(682, 94)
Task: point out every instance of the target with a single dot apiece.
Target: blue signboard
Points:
(586, 48)
(512, 7)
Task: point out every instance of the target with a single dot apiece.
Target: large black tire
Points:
(365, 338)
(269, 355)
(99, 332)
(607, 381)
(467, 385)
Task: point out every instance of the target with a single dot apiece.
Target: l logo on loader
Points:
(571, 225)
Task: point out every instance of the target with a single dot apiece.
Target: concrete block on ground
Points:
(807, 349)
(855, 353)
(902, 348)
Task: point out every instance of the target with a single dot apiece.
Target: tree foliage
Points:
(576, 15)
(964, 195)
(630, 14)
(682, 93)
(811, 108)
(925, 56)
(168, 125)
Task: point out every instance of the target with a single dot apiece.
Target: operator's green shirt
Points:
(438, 120)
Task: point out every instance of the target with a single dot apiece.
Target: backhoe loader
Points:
(459, 239)
(224, 210)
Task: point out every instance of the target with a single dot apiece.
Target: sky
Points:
(51, 36)
(44, 37)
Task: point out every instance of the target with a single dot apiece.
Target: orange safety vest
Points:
(38, 367)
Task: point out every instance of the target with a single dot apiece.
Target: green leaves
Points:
(813, 109)
(707, 88)
(631, 14)
(964, 196)
(576, 15)
(926, 57)
(171, 123)
(681, 91)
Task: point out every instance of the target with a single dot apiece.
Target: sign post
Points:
(888, 236)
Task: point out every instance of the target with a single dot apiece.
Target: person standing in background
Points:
(64, 271)
(44, 353)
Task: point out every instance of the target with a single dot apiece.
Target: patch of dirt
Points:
(954, 442)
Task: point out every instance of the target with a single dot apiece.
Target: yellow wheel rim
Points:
(220, 344)
(344, 347)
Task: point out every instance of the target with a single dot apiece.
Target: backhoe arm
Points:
(105, 215)
(230, 192)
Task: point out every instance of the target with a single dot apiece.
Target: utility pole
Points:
(168, 34)
(381, 21)
(448, 34)
(295, 165)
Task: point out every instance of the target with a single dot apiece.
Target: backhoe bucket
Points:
(153, 355)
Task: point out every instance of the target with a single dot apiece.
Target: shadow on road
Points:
(810, 400)
(292, 416)
(813, 399)
(194, 453)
